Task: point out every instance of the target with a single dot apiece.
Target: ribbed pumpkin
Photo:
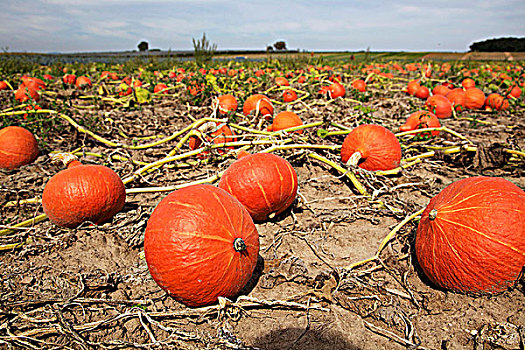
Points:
(474, 98)
(18, 147)
(421, 120)
(497, 102)
(258, 105)
(468, 83)
(439, 105)
(371, 147)
(201, 244)
(25, 93)
(264, 183)
(81, 193)
(285, 120)
(471, 237)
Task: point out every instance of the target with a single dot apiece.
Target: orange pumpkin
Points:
(372, 147)
(471, 236)
(215, 132)
(161, 88)
(474, 98)
(421, 120)
(227, 103)
(18, 147)
(497, 102)
(439, 105)
(83, 82)
(3, 85)
(514, 91)
(285, 120)
(25, 93)
(359, 85)
(289, 96)
(457, 99)
(259, 105)
(412, 87)
(422, 92)
(440, 90)
(80, 193)
(468, 83)
(201, 244)
(264, 183)
(336, 90)
(281, 81)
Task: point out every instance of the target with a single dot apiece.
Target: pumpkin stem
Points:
(239, 245)
(354, 159)
(68, 159)
(433, 214)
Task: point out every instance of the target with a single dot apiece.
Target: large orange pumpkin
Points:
(201, 244)
(259, 105)
(373, 146)
(471, 237)
(264, 183)
(81, 193)
(18, 147)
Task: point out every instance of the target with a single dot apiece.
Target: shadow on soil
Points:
(303, 339)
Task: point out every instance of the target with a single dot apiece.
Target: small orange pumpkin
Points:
(285, 120)
(81, 193)
(359, 85)
(259, 105)
(439, 105)
(421, 120)
(497, 102)
(371, 147)
(227, 103)
(18, 147)
(83, 82)
(289, 96)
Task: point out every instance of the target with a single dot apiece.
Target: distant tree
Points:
(143, 46)
(269, 48)
(203, 49)
(280, 45)
(499, 45)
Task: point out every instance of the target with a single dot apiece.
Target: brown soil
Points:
(89, 288)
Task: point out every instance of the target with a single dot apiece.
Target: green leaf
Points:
(143, 95)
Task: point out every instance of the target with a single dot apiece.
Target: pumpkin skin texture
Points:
(264, 183)
(471, 237)
(378, 146)
(227, 103)
(193, 244)
(18, 147)
(83, 193)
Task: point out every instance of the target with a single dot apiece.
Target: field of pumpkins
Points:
(281, 204)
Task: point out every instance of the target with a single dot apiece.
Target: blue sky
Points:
(108, 25)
